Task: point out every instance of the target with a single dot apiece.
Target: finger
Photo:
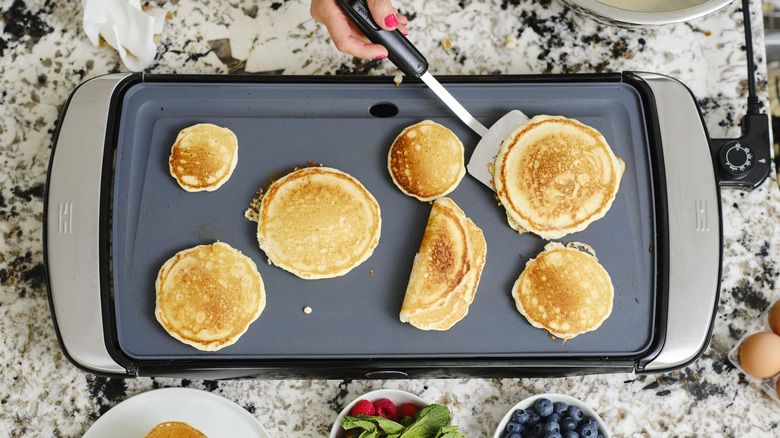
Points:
(383, 12)
(353, 42)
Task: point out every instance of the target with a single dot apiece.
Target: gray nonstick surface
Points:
(281, 125)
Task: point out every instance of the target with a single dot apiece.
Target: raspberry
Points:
(386, 409)
(363, 407)
(408, 410)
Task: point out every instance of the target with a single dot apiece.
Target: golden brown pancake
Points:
(555, 176)
(174, 429)
(564, 291)
(318, 222)
(203, 157)
(208, 295)
(426, 161)
(446, 269)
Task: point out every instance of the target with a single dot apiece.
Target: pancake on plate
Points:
(564, 290)
(318, 222)
(203, 157)
(555, 176)
(446, 269)
(426, 161)
(174, 429)
(208, 295)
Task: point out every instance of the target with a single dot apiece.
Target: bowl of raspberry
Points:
(551, 416)
(383, 404)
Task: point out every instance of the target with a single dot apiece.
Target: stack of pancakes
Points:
(426, 161)
(564, 290)
(446, 269)
(318, 222)
(207, 296)
(174, 429)
(203, 157)
(555, 176)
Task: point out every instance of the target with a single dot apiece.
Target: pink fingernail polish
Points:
(391, 21)
(381, 57)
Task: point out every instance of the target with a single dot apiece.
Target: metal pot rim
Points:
(625, 16)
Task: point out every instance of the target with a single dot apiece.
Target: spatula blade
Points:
(481, 162)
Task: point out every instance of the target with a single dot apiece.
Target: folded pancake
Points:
(564, 290)
(318, 222)
(203, 157)
(426, 161)
(174, 429)
(207, 296)
(446, 269)
(555, 176)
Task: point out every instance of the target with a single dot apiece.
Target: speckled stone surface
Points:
(44, 55)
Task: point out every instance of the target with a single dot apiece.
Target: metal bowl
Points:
(631, 13)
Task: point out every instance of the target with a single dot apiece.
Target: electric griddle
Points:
(114, 215)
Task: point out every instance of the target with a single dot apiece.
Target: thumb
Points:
(383, 13)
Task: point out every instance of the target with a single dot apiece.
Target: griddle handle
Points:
(401, 51)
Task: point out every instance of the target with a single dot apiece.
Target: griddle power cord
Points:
(744, 162)
(753, 104)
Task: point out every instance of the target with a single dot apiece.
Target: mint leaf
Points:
(389, 426)
(449, 432)
(373, 426)
(427, 422)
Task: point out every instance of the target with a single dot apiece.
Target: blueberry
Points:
(552, 426)
(575, 413)
(533, 418)
(590, 423)
(538, 429)
(543, 407)
(520, 416)
(560, 407)
(568, 423)
(552, 435)
(588, 430)
(554, 418)
(513, 426)
(570, 434)
(514, 435)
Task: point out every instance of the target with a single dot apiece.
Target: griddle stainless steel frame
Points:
(689, 244)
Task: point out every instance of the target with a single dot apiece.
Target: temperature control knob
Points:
(736, 158)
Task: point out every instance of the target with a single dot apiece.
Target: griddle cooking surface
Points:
(281, 125)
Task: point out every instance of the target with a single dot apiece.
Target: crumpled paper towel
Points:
(126, 27)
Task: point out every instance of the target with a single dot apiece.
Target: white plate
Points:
(215, 416)
(396, 396)
(571, 401)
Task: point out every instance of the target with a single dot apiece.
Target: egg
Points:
(774, 318)
(759, 355)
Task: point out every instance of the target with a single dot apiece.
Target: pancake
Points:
(426, 161)
(208, 295)
(555, 176)
(203, 157)
(174, 429)
(564, 291)
(446, 269)
(318, 222)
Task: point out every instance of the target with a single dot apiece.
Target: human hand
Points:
(347, 37)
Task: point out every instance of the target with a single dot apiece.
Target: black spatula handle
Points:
(401, 52)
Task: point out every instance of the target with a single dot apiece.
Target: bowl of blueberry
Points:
(551, 416)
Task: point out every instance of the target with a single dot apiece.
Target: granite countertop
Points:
(44, 55)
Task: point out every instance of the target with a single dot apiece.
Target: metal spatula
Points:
(412, 63)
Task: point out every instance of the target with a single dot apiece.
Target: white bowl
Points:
(397, 396)
(529, 403)
(645, 13)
